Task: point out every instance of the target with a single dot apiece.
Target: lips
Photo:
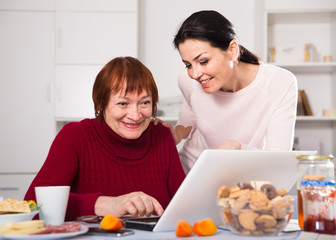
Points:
(132, 125)
(205, 82)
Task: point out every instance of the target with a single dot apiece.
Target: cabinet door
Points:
(26, 73)
(95, 37)
(74, 92)
(15, 186)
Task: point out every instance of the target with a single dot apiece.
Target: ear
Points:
(234, 50)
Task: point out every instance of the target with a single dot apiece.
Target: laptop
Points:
(196, 197)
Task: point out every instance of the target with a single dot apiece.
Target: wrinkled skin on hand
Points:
(136, 204)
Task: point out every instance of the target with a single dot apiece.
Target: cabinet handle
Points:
(9, 188)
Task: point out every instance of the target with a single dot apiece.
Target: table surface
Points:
(220, 234)
(293, 233)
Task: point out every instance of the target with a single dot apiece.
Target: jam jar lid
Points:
(315, 157)
(317, 183)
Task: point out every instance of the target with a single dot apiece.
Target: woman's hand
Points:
(179, 133)
(135, 203)
(230, 144)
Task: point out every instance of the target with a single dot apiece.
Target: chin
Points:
(132, 134)
(208, 90)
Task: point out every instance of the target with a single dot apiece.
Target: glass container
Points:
(318, 199)
(312, 167)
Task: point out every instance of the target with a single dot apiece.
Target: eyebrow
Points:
(124, 97)
(195, 58)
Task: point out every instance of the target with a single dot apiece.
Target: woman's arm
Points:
(280, 132)
(180, 132)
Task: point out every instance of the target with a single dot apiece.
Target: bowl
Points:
(256, 218)
(17, 217)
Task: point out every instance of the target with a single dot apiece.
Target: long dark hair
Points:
(212, 27)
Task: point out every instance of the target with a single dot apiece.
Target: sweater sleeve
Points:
(186, 116)
(280, 133)
(60, 168)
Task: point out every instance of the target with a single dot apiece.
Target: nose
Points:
(195, 73)
(134, 113)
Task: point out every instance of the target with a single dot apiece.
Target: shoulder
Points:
(278, 73)
(77, 129)
(188, 86)
(160, 132)
(183, 76)
(159, 129)
(277, 81)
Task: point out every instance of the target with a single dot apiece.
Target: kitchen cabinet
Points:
(15, 186)
(26, 74)
(26, 97)
(288, 27)
(88, 35)
(74, 92)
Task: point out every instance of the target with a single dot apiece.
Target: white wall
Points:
(160, 20)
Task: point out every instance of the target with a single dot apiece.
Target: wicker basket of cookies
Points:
(255, 208)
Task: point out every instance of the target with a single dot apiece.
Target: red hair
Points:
(112, 77)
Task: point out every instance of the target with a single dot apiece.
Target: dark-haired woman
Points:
(120, 162)
(232, 99)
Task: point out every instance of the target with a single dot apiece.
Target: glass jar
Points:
(318, 199)
(312, 167)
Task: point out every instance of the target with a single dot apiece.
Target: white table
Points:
(220, 234)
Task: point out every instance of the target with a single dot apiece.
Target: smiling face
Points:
(210, 66)
(129, 115)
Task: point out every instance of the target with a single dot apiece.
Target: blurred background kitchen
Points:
(51, 51)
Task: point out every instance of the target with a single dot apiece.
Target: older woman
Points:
(120, 162)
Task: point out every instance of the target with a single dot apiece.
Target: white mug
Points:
(53, 201)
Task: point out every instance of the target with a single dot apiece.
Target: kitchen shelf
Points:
(290, 27)
(315, 118)
(309, 67)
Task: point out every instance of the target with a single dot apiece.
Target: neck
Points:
(242, 76)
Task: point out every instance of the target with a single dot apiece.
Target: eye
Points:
(122, 103)
(147, 102)
(188, 66)
(203, 62)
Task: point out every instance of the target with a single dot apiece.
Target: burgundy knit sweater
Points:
(94, 161)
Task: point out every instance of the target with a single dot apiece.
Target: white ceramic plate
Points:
(17, 217)
(83, 230)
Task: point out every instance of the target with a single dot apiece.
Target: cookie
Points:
(280, 208)
(223, 192)
(243, 185)
(269, 190)
(265, 221)
(241, 201)
(258, 200)
(246, 219)
(282, 192)
(237, 194)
